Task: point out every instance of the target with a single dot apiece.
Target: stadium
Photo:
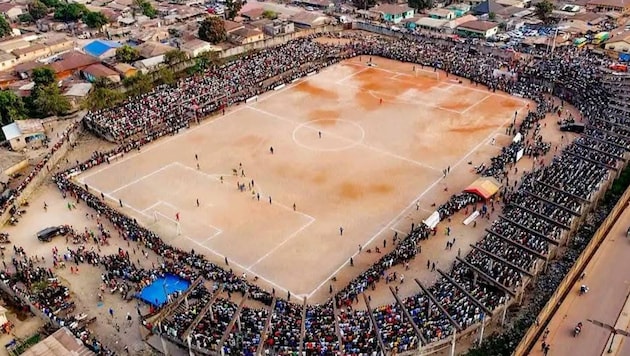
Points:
(270, 192)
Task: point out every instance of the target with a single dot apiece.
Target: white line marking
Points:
(477, 103)
(157, 171)
(278, 246)
(378, 234)
(353, 142)
(351, 75)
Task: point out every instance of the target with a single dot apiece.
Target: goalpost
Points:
(172, 223)
(427, 73)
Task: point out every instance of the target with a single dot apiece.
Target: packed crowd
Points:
(568, 181)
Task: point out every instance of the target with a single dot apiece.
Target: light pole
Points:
(612, 330)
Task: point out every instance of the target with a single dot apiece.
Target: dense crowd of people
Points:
(536, 212)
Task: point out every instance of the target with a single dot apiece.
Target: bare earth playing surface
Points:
(387, 132)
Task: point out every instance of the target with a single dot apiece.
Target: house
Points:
(59, 44)
(231, 26)
(622, 6)
(305, 19)
(393, 13)
(246, 35)
(432, 24)
(151, 49)
(71, 62)
(101, 49)
(278, 27)
(516, 3)
(253, 14)
(460, 9)
(31, 52)
(126, 70)
(61, 342)
(620, 44)
(93, 72)
(482, 29)
(77, 92)
(24, 133)
(196, 47)
(453, 24)
(148, 64)
(11, 11)
(7, 60)
(442, 14)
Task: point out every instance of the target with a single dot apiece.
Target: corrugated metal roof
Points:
(11, 131)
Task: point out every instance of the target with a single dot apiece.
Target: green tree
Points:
(165, 76)
(138, 84)
(543, 10)
(232, 8)
(43, 76)
(102, 95)
(492, 16)
(5, 28)
(271, 15)
(174, 57)
(95, 19)
(70, 12)
(146, 8)
(51, 3)
(11, 107)
(212, 30)
(421, 4)
(366, 4)
(38, 10)
(26, 18)
(48, 100)
(127, 54)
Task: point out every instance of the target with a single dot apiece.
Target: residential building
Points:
(279, 27)
(393, 13)
(315, 4)
(24, 133)
(620, 44)
(7, 60)
(253, 14)
(93, 72)
(196, 47)
(442, 14)
(305, 19)
(432, 24)
(487, 7)
(151, 49)
(148, 64)
(102, 49)
(11, 10)
(246, 35)
(72, 62)
(77, 92)
(35, 51)
(622, 6)
(482, 29)
(125, 70)
(460, 9)
(231, 26)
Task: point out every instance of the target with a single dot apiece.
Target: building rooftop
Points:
(79, 90)
(72, 61)
(391, 9)
(611, 3)
(479, 25)
(61, 342)
(30, 49)
(98, 47)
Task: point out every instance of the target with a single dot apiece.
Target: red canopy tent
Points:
(484, 187)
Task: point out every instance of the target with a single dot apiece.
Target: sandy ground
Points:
(355, 147)
(609, 284)
(372, 163)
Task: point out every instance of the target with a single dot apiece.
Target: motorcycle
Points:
(577, 330)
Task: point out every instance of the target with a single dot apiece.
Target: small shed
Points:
(23, 133)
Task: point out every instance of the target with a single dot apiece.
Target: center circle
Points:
(328, 135)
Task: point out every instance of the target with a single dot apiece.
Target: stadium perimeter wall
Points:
(44, 173)
(549, 309)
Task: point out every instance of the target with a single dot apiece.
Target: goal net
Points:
(426, 73)
(168, 225)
